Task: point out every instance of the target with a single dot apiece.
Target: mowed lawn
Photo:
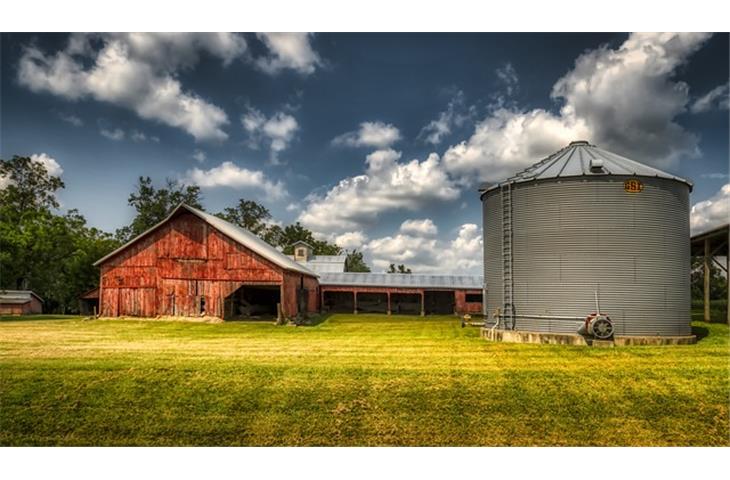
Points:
(350, 380)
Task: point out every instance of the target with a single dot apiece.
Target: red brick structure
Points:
(194, 264)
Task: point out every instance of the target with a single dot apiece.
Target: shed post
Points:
(423, 303)
(388, 292)
(354, 301)
(706, 285)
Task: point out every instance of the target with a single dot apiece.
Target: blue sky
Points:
(376, 141)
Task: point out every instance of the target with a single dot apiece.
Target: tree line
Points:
(52, 253)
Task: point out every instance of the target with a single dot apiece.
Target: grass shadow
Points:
(315, 320)
(35, 318)
(700, 332)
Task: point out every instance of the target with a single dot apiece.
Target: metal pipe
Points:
(551, 317)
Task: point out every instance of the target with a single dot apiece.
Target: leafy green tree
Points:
(718, 282)
(297, 232)
(154, 204)
(355, 262)
(249, 215)
(41, 250)
(398, 269)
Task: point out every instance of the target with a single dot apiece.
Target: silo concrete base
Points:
(517, 336)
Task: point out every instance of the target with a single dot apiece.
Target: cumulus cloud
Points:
(715, 99)
(51, 164)
(622, 99)
(419, 227)
(116, 134)
(228, 174)
(137, 71)
(711, 213)
(288, 50)
(350, 240)
(455, 115)
(370, 134)
(386, 185)
(277, 131)
(426, 254)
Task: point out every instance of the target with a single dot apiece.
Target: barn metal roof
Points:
(236, 233)
(401, 280)
(324, 263)
(17, 296)
(580, 158)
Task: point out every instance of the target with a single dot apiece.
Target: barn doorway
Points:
(405, 303)
(439, 302)
(339, 302)
(252, 302)
(372, 302)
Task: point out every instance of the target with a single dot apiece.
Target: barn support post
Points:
(423, 303)
(706, 283)
(354, 302)
(388, 292)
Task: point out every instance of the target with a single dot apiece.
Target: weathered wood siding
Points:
(174, 268)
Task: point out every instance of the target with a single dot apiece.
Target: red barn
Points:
(194, 264)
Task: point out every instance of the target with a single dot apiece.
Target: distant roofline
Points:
(30, 292)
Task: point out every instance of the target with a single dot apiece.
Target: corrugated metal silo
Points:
(582, 225)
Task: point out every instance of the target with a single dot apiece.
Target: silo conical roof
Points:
(580, 158)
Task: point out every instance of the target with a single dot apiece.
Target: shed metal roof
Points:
(324, 263)
(576, 160)
(401, 280)
(236, 233)
(17, 296)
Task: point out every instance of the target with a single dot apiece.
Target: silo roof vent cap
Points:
(596, 165)
(578, 142)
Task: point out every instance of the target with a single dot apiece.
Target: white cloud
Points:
(386, 185)
(419, 227)
(716, 99)
(278, 131)
(455, 115)
(72, 119)
(623, 99)
(52, 166)
(199, 156)
(711, 213)
(350, 240)
(288, 50)
(426, 254)
(137, 72)
(370, 134)
(116, 134)
(228, 174)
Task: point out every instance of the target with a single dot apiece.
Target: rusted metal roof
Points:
(580, 158)
(236, 233)
(402, 280)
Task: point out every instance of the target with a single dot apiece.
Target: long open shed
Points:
(393, 293)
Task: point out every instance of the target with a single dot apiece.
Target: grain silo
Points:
(586, 233)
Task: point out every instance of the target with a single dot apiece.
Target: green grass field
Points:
(351, 380)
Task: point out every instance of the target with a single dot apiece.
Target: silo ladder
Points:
(507, 280)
